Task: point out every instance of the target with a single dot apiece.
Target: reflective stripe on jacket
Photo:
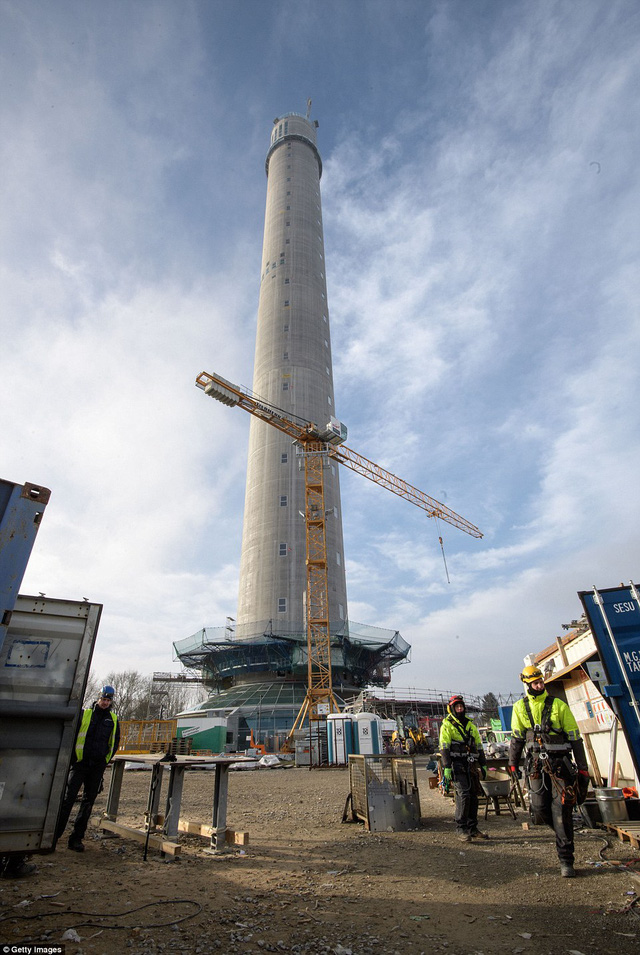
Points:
(82, 734)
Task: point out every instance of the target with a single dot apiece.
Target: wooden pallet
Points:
(627, 832)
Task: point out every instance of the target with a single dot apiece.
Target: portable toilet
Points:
(340, 738)
(368, 734)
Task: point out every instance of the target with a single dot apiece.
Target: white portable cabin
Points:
(368, 734)
(340, 738)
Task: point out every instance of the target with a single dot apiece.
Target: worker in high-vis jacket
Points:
(545, 729)
(96, 743)
(463, 762)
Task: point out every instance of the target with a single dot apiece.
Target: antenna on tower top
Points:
(308, 108)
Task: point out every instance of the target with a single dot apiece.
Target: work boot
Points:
(75, 844)
(464, 837)
(476, 834)
(567, 871)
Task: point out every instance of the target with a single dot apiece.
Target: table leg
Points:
(154, 797)
(113, 799)
(174, 798)
(219, 821)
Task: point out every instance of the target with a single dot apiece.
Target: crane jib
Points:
(218, 387)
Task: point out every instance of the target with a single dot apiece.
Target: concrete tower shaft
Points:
(293, 370)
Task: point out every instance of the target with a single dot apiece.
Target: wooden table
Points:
(161, 830)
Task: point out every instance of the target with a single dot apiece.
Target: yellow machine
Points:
(409, 739)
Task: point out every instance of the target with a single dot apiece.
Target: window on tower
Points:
(284, 457)
(283, 500)
(282, 604)
(282, 550)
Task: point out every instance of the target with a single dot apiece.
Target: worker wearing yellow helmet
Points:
(463, 761)
(545, 728)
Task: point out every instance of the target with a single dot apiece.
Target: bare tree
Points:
(92, 690)
(138, 697)
(132, 694)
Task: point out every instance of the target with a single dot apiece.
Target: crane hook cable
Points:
(444, 559)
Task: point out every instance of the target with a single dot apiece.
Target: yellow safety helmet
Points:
(531, 674)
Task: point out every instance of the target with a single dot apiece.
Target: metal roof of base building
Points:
(361, 655)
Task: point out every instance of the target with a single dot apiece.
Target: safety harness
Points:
(548, 752)
(466, 747)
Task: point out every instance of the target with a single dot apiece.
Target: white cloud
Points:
(482, 279)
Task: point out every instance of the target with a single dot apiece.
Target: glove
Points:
(582, 785)
(515, 772)
(447, 777)
(483, 771)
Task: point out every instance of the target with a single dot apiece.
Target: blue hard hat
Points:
(107, 691)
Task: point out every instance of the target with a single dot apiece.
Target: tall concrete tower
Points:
(293, 370)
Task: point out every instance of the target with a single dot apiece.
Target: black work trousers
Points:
(88, 776)
(547, 809)
(464, 783)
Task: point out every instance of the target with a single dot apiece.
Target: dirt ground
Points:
(306, 883)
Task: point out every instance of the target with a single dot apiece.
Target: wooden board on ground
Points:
(155, 841)
(200, 829)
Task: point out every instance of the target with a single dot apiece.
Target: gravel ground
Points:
(306, 883)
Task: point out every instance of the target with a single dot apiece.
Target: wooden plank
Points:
(155, 841)
(629, 832)
(200, 829)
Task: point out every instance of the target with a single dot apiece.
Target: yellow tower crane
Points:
(316, 445)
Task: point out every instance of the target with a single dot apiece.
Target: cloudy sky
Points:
(481, 210)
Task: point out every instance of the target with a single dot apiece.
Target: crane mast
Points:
(316, 445)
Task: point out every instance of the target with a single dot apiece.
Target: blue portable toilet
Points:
(340, 738)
